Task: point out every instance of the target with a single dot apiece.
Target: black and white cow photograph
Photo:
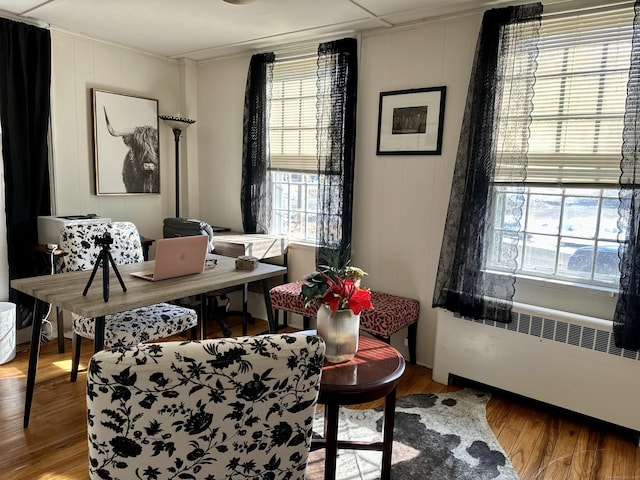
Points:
(125, 144)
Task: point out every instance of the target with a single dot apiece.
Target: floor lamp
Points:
(177, 124)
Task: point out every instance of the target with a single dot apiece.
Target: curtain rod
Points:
(569, 7)
(290, 51)
(551, 8)
(27, 20)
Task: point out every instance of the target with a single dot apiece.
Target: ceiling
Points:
(204, 29)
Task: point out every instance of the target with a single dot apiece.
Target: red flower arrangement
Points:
(338, 288)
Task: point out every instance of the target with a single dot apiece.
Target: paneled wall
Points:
(400, 201)
(79, 64)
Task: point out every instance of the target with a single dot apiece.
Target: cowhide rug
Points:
(442, 436)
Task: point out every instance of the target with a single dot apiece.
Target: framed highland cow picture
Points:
(125, 141)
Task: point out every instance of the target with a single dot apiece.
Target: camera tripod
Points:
(104, 259)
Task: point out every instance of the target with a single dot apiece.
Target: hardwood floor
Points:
(541, 442)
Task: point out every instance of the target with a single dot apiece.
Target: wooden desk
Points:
(266, 248)
(58, 258)
(46, 252)
(256, 245)
(55, 259)
(146, 243)
(373, 373)
(65, 291)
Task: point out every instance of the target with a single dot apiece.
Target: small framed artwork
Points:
(125, 140)
(410, 121)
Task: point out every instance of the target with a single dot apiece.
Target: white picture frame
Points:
(126, 147)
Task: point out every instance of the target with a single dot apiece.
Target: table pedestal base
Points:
(332, 444)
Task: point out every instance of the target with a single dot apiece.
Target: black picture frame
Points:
(410, 122)
(126, 146)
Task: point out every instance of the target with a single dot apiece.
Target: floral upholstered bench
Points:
(390, 314)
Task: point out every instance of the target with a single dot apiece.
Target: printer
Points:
(49, 226)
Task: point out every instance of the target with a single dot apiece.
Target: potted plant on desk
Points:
(337, 293)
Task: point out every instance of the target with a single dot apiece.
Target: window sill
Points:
(568, 285)
(592, 301)
(300, 245)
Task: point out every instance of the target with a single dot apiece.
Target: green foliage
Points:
(316, 284)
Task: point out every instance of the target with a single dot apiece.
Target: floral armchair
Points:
(232, 408)
(130, 327)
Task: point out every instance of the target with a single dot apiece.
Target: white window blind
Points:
(579, 100)
(292, 125)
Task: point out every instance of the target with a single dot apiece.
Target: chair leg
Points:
(220, 318)
(386, 340)
(412, 338)
(76, 344)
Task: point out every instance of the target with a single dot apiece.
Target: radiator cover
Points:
(561, 359)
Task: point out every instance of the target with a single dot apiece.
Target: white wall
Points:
(400, 201)
(221, 86)
(79, 64)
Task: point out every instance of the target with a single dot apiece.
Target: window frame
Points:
(572, 294)
(303, 163)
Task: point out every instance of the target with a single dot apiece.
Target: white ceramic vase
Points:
(340, 332)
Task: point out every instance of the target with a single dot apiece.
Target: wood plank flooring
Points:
(542, 442)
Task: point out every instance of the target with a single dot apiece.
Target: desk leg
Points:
(273, 327)
(202, 320)
(34, 352)
(145, 250)
(387, 435)
(60, 322)
(245, 294)
(98, 341)
(331, 440)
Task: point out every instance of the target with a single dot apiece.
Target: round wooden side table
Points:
(372, 374)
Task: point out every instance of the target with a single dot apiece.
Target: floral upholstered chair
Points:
(129, 327)
(226, 408)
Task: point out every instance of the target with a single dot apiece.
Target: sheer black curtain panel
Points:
(337, 80)
(626, 319)
(255, 192)
(497, 112)
(25, 78)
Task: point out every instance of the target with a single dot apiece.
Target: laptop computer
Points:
(176, 257)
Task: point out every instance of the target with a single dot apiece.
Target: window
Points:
(292, 144)
(568, 229)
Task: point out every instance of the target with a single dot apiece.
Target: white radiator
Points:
(566, 360)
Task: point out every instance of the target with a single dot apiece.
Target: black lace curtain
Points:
(255, 195)
(337, 81)
(25, 77)
(626, 320)
(504, 68)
